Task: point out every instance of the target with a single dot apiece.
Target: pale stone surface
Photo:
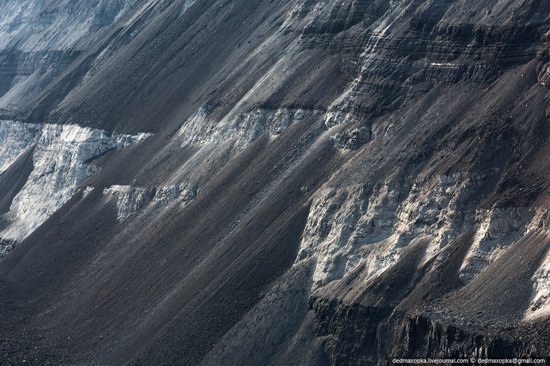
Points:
(61, 161)
(352, 226)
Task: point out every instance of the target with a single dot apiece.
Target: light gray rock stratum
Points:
(61, 158)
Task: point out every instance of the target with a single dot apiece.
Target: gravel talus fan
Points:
(290, 182)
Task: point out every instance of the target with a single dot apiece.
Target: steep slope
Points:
(40, 39)
(259, 182)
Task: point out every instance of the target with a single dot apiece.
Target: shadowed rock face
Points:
(300, 182)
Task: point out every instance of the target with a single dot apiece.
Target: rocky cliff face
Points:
(291, 182)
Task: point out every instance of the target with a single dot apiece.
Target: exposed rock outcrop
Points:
(61, 158)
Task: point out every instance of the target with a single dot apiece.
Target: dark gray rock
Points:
(250, 238)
